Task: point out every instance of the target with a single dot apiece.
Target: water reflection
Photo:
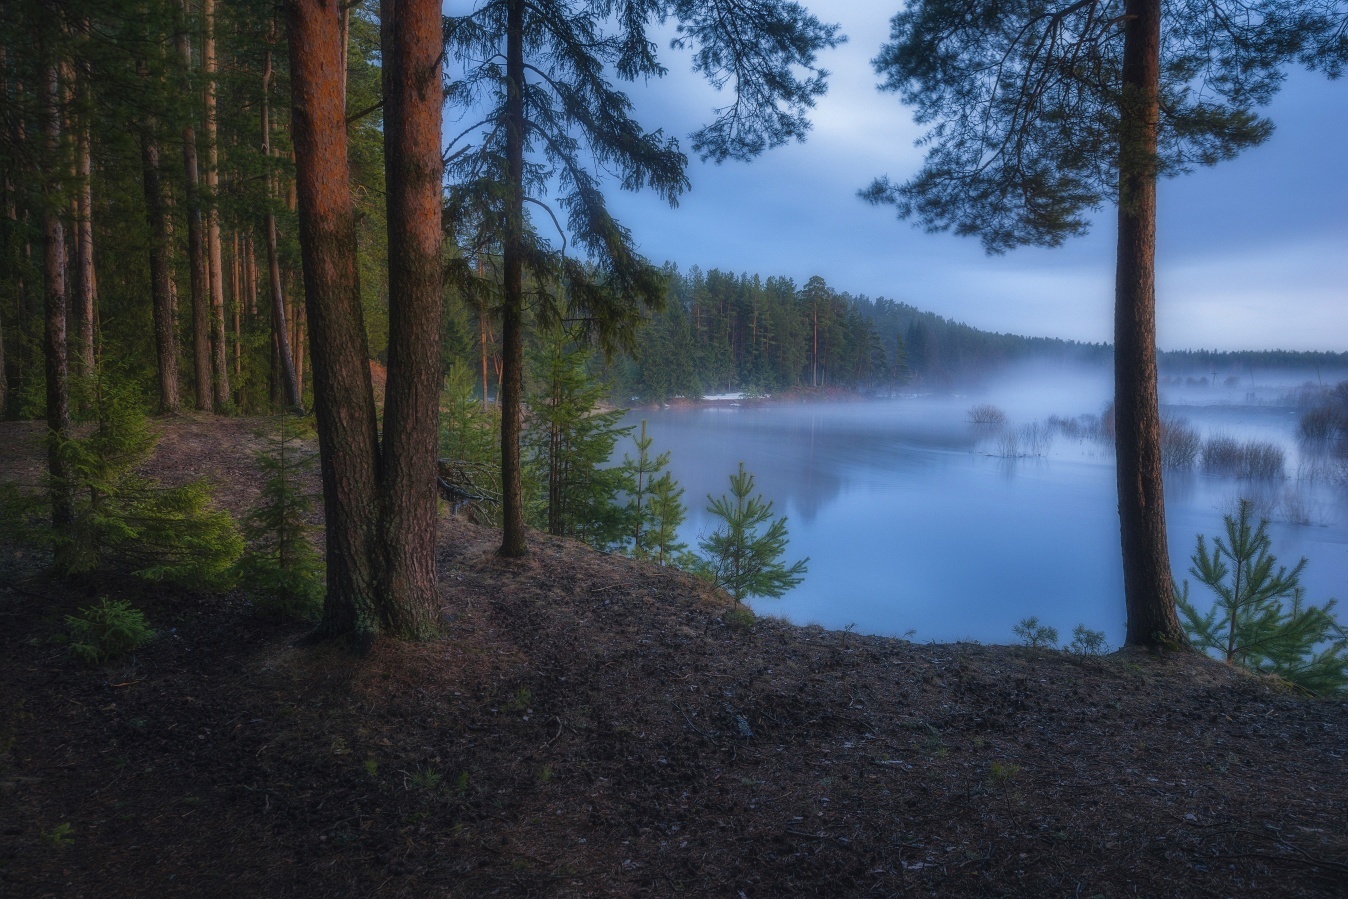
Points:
(915, 519)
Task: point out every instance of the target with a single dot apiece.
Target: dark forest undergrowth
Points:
(592, 726)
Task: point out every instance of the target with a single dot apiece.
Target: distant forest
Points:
(720, 332)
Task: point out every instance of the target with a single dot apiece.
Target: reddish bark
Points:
(1149, 588)
(343, 395)
(412, 111)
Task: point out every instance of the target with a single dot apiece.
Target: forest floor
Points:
(594, 726)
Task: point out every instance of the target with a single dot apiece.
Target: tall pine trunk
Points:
(54, 304)
(285, 374)
(343, 395)
(86, 284)
(511, 386)
(196, 244)
(219, 352)
(1149, 588)
(412, 111)
(161, 284)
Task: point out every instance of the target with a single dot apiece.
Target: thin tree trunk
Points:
(1149, 588)
(298, 341)
(86, 285)
(161, 284)
(236, 310)
(8, 246)
(513, 543)
(250, 258)
(413, 98)
(286, 374)
(343, 397)
(196, 244)
(219, 350)
(54, 308)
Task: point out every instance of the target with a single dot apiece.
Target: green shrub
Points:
(1036, 635)
(1087, 642)
(106, 631)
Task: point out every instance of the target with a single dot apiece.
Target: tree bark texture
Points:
(1149, 588)
(343, 395)
(290, 388)
(196, 244)
(161, 290)
(513, 543)
(412, 112)
(54, 305)
(219, 353)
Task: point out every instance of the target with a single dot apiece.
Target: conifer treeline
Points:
(169, 168)
(721, 332)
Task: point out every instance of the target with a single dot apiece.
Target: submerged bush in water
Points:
(1322, 423)
(1180, 443)
(987, 414)
(1225, 455)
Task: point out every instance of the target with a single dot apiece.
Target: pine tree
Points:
(282, 566)
(1250, 624)
(667, 513)
(1040, 113)
(551, 121)
(744, 556)
(638, 482)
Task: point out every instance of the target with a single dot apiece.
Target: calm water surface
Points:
(914, 523)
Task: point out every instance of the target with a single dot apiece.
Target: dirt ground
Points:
(593, 726)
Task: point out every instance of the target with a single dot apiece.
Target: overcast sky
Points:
(1253, 254)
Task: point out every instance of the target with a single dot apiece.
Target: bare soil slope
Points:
(592, 726)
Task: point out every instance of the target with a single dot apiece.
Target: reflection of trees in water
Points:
(803, 458)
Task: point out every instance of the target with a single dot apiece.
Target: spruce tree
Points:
(121, 519)
(567, 446)
(470, 445)
(744, 554)
(281, 566)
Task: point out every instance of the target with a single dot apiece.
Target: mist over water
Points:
(917, 520)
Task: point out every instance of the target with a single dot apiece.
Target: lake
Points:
(918, 523)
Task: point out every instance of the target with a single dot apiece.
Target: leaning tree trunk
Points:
(196, 245)
(413, 97)
(161, 283)
(54, 307)
(512, 306)
(289, 381)
(219, 352)
(343, 395)
(1149, 588)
